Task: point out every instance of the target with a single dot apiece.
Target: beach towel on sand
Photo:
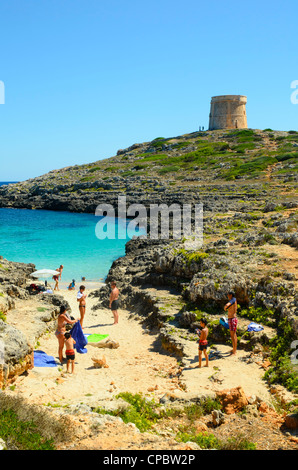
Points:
(41, 359)
(95, 338)
(79, 337)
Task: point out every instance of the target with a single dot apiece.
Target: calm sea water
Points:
(48, 239)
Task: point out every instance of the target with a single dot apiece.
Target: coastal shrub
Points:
(251, 168)
(282, 371)
(287, 156)
(241, 148)
(258, 315)
(181, 145)
(243, 135)
(2, 317)
(95, 168)
(22, 435)
(237, 442)
(195, 257)
(204, 440)
(145, 413)
(168, 169)
(196, 411)
(142, 412)
(209, 441)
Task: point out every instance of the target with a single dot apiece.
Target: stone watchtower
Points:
(228, 112)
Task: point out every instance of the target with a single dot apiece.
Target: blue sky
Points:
(84, 78)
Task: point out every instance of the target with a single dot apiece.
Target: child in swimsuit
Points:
(70, 353)
(203, 343)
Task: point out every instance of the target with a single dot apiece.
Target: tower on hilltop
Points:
(228, 112)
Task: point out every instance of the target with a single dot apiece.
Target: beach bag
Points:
(254, 327)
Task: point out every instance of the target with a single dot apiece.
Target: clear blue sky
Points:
(84, 78)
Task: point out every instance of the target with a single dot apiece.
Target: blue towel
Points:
(254, 327)
(224, 322)
(79, 337)
(41, 359)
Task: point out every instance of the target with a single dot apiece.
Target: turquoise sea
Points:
(48, 239)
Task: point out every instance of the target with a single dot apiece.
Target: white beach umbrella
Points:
(45, 273)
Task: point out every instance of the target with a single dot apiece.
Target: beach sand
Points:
(138, 365)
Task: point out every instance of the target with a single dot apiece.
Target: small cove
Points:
(49, 239)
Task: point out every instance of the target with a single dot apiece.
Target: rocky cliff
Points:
(216, 168)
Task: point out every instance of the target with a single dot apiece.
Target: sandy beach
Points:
(138, 365)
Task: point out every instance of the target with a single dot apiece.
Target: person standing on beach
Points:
(56, 279)
(114, 301)
(203, 343)
(81, 298)
(60, 270)
(231, 307)
(70, 353)
(63, 319)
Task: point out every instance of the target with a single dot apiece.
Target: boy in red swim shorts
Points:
(70, 354)
(231, 306)
(203, 343)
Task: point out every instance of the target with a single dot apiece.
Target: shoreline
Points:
(89, 284)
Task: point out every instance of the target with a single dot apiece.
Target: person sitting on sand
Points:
(114, 301)
(72, 285)
(81, 298)
(231, 306)
(203, 343)
(70, 353)
(63, 319)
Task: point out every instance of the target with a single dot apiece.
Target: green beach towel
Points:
(96, 337)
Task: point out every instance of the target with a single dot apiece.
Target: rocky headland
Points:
(246, 181)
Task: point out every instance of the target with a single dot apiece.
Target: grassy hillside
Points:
(226, 155)
(214, 155)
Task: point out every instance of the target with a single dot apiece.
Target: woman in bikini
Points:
(81, 298)
(62, 320)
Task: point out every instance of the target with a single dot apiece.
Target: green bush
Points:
(195, 257)
(168, 169)
(251, 168)
(282, 370)
(258, 315)
(2, 317)
(22, 435)
(209, 441)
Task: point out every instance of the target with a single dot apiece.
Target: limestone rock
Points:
(99, 362)
(15, 353)
(232, 400)
(291, 421)
(218, 417)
